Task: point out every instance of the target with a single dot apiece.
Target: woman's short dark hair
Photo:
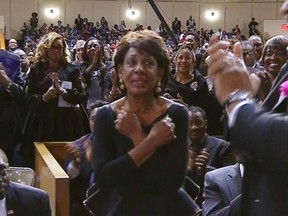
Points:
(145, 41)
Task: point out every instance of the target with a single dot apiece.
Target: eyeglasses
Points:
(59, 48)
(94, 45)
(79, 49)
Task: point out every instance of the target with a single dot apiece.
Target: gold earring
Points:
(122, 86)
(158, 88)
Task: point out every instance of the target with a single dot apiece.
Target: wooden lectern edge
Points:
(50, 161)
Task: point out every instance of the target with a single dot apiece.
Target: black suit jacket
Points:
(222, 191)
(264, 136)
(23, 200)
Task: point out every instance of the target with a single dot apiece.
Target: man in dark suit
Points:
(18, 199)
(206, 152)
(222, 191)
(254, 132)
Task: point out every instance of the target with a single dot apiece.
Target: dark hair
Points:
(279, 42)
(85, 54)
(145, 41)
(96, 104)
(194, 109)
(100, 65)
(188, 47)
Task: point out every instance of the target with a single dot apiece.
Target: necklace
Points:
(183, 79)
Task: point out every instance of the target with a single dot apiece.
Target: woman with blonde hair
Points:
(55, 94)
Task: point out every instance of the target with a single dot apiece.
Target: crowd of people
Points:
(127, 101)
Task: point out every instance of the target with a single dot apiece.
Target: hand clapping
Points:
(226, 69)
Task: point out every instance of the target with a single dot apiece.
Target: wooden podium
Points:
(50, 176)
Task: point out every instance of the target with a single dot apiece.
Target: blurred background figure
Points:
(79, 165)
(12, 45)
(12, 104)
(78, 55)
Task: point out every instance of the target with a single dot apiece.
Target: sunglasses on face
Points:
(59, 48)
(94, 45)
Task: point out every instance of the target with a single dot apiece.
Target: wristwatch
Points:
(237, 96)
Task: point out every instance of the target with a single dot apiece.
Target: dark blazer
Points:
(23, 200)
(222, 191)
(263, 136)
(220, 152)
(220, 155)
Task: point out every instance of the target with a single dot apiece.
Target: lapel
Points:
(274, 93)
(234, 181)
(12, 202)
(279, 102)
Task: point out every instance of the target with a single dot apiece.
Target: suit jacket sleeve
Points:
(261, 134)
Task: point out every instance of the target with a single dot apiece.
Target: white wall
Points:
(231, 12)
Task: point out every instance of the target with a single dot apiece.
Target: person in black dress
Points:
(54, 92)
(185, 82)
(140, 147)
